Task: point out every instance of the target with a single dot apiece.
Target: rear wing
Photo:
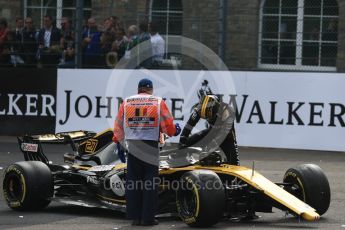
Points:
(31, 145)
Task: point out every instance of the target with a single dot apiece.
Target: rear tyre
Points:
(28, 185)
(310, 185)
(200, 199)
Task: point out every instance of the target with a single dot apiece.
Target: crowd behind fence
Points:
(278, 37)
(103, 44)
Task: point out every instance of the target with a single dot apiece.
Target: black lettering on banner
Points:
(174, 108)
(273, 112)
(293, 113)
(337, 115)
(233, 103)
(77, 106)
(314, 113)
(256, 107)
(99, 107)
(68, 105)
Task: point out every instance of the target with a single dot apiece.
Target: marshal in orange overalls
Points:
(140, 120)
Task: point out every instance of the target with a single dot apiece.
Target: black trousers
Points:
(228, 146)
(141, 190)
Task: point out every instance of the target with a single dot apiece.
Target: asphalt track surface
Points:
(272, 163)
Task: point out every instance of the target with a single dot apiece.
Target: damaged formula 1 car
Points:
(208, 190)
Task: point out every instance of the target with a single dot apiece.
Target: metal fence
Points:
(294, 35)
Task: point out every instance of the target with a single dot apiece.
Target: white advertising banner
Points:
(279, 110)
(89, 99)
(291, 110)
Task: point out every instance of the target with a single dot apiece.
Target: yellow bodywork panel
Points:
(254, 179)
(274, 191)
(261, 183)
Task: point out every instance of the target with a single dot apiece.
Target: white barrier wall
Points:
(291, 110)
(281, 110)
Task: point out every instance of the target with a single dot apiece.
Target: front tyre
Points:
(28, 185)
(309, 184)
(201, 198)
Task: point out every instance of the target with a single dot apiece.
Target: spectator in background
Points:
(4, 50)
(66, 29)
(29, 43)
(115, 20)
(145, 50)
(132, 41)
(19, 27)
(67, 44)
(106, 42)
(91, 45)
(17, 52)
(158, 46)
(119, 45)
(113, 31)
(49, 39)
(107, 24)
(144, 34)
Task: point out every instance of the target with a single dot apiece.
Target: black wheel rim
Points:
(13, 187)
(188, 201)
(295, 188)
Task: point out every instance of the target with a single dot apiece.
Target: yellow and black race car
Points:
(201, 190)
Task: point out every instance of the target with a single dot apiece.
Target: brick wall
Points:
(129, 12)
(200, 23)
(242, 35)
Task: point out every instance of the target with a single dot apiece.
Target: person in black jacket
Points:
(67, 44)
(49, 38)
(29, 43)
(220, 131)
(17, 48)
